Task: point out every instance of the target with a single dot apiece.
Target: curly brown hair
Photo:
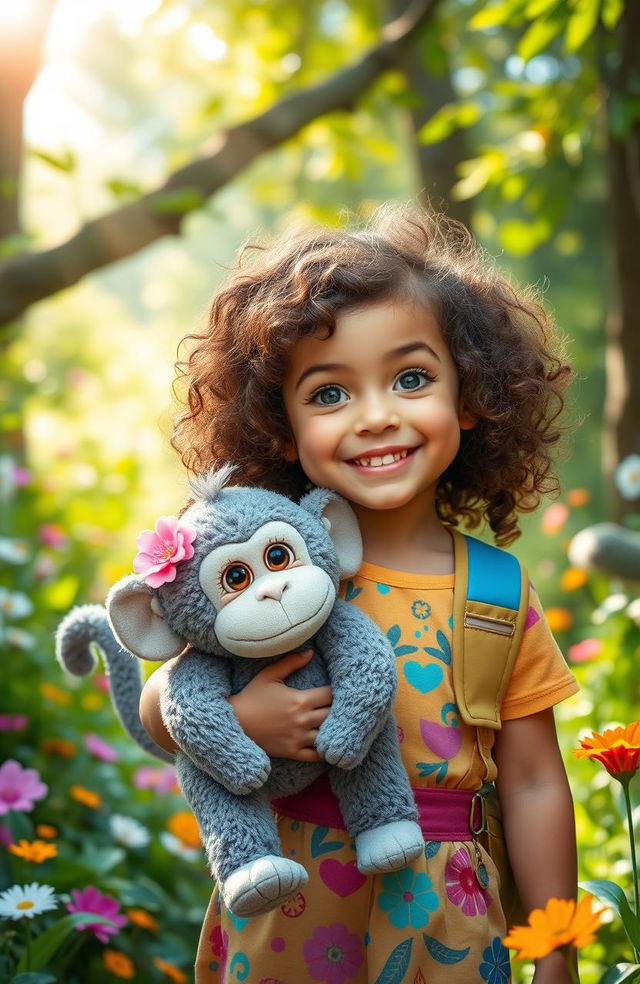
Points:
(502, 340)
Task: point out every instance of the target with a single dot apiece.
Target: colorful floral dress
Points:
(431, 922)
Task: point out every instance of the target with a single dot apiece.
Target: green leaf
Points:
(31, 978)
(492, 16)
(621, 972)
(535, 8)
(581, 24)
(178, 202)
(520, 238)
(449, 118)
(611, 12)
(612, 894)
(538, 37)
(49, 942)
(66, 162)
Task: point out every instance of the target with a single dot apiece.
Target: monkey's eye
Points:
(236, 577)
(278, 556)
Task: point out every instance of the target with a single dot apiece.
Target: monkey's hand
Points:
(201, 721)
(361, 667)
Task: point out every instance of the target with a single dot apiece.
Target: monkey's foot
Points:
(390, 847)
(262, 885)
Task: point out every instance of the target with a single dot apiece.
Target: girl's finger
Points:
(285, 666)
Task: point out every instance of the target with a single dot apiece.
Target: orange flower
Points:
(184, 826)
(559, 619)
(140, 917)
(57, 696)
(35, 851)
(560, 923)
(573, 578)
(86, 796)
(172, 972)
(578, 497)
(58, 746)
(618, 749)
(47, 831)
(119, 964)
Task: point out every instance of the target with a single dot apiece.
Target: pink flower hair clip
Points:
(161, 549)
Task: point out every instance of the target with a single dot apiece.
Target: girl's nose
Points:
(375, 415)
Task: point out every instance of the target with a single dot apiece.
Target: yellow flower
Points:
(35, 851)
(184, 826)
(559, 619)
(140, 917)
(58, 746)
(92, 702)
(119, 964)
(172, 972)
(86, 796)
(55, 694)
(573, 578)
(47, 831)
(562, 922)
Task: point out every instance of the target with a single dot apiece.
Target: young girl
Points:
(396, 367)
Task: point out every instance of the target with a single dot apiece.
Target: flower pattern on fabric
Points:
(421, 609)
(333, 954)
(219, 940)
(495, 967)
(462, 885)
(408, 898)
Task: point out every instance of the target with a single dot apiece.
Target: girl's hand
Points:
(281, 720)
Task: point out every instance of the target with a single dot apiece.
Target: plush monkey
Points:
(249, 575)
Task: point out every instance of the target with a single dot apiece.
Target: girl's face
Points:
(375, 409)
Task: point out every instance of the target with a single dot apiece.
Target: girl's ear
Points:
(289, 452)
(466, 419)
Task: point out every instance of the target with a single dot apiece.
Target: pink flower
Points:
(333, 954)
(19, 788)
(100, 748)
(219, 939)
(161, 550)
(53, 535)
(583, 652)
(91, 900)
(554, 518)
(149, 777)
(101, 682)
(6, 837)
(462, 886)
(13, 722)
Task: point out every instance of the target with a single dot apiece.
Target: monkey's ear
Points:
(341, 524)
(137, 621)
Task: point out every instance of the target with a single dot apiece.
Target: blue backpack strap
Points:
(490, 602)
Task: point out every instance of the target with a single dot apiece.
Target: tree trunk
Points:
(622, 407)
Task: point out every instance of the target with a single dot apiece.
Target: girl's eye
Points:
(278, 556)
(412, 379)
(236, 577)
(329, 396)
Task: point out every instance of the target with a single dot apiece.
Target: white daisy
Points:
(627, 477)
(15, 604)
(13, 551)
(18, 637)
(176, 846)
(128, 831)
(27, 901)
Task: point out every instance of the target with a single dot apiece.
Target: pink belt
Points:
(443, 814)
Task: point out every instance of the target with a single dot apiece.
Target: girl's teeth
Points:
(386, 459)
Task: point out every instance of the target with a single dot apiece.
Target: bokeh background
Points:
(141, 142)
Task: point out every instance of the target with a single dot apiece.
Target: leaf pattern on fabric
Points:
(444, 954)
(393, 635)
(319, 845)
(431, 848)
(444, 652)
(351, 591)
(397, 964)
(439, 769)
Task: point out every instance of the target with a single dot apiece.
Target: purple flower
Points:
(19, 788)
(333, 954)
(149, 777)
(91, 900)
(13, 722)
(100, 748)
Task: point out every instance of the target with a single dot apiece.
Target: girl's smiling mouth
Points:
(382, 459)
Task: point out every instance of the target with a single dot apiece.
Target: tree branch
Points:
(30, 277)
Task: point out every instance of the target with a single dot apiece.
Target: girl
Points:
(396, 367)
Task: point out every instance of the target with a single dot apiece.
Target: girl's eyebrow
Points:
(393, 353)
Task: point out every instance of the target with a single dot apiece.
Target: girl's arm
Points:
(538, 820)
(283, 721)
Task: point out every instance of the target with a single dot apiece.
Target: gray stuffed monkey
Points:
(243, 577)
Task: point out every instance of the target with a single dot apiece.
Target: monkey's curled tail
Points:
(82, 629)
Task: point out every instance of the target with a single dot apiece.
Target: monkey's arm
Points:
(361, 665)
(201, 721)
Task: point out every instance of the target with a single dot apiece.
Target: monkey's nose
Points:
(270, 587)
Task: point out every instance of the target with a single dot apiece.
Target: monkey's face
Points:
(268, 594)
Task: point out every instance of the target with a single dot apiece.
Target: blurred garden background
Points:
(141, 142)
